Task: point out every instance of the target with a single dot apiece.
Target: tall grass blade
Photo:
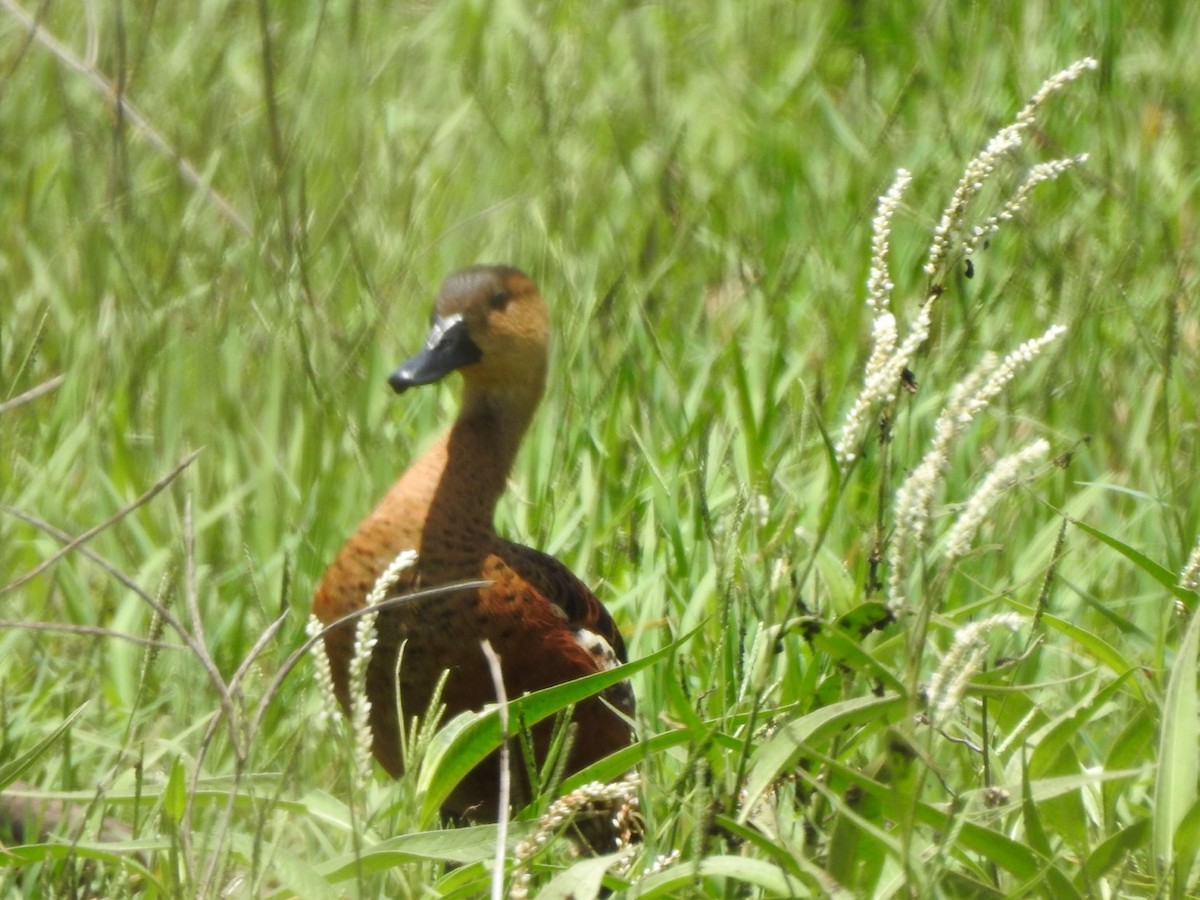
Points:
(1178, 754)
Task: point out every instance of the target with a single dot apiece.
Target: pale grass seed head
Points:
(974, 176)
(973, 394)
(618, 796)
(916, 495)
(962, 662)
(982, 167)
(888, 361)
(913, 506)
(960, 408)
(890, 357)
(882, 374)
(365, 638)
(324, 674)
(660, 863)
(1189, 578)
(1046, 171)
(877, 383)
(879, 284)
(1054, 83)
(1008, 369)
(1004, 475)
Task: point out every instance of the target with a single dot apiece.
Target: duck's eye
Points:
(499, 299)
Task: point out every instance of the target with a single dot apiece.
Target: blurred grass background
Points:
(692, 185)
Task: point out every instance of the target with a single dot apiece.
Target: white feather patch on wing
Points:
(620, 694)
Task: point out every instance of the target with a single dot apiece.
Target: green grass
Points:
(692, 185)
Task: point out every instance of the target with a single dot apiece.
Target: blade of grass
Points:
(1178, 764)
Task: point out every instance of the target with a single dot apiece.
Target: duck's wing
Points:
(583, 614)
(558, 584)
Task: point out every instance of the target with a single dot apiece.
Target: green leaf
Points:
(298, 875)
(115, 857)
(174, 797)
(681, 880)
(1175, 786)
(456, 845)
(1100, 649)
(14, 769)
(1164, 576)
(844, 649)
(1034, 832)
(1131, 747)
(1022, 861)
(782, 749)
(1055, 753)
(1110, 852)
(761, 840)
(581, 881)
(465, 882)
(1060, 737)
(468, 738)
(1187, 840)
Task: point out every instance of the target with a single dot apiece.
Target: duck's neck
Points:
(475, 459)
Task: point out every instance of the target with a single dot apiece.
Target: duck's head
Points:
(490, 322)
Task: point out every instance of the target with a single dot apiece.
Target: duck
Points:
(490, 324)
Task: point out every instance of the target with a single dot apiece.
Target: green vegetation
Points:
(222, 273)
